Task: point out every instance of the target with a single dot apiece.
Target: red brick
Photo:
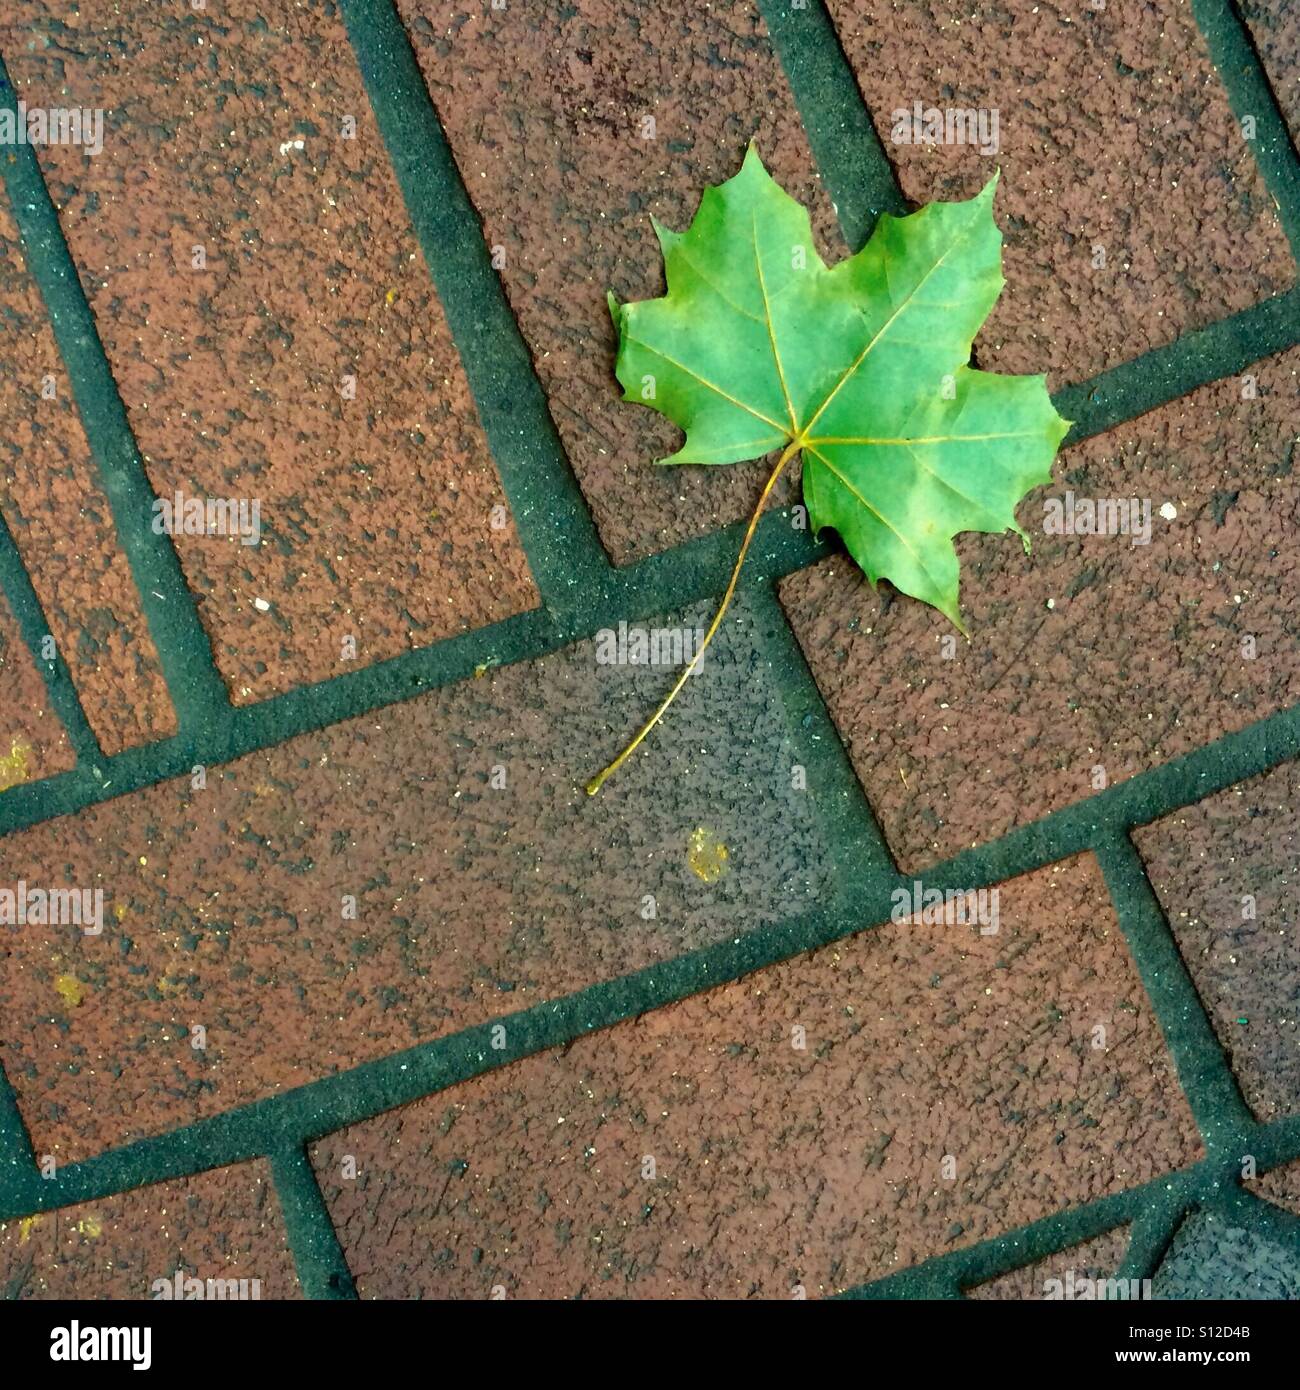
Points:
(225, 1224)
(223, 907)
(1138, 658)
(1114, 131)
(33, 743)
(1281, 1186)
(775, 1167)
(63, 526)
(376, 512)
(543, 104)
(1212, 864)
(1275, 27)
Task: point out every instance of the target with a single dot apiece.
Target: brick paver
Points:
(412, 872)
(1113, 132)
(1275, 27)
(63, 527)
(33, 744)
(222, 1226)
(1226, 871)
(1212, 1257)
(377, 511)
(777, 1164)
(1092, 659)
(567, 174)
(1281, 1186)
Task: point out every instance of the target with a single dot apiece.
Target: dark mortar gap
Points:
(1232, 51)
(550, 513)
(840, 130)
(317, 1254)
(1203, 1070)
(196, 689)
(26, 607)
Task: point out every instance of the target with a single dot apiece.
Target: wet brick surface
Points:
(1213, 1257)
(484, 879)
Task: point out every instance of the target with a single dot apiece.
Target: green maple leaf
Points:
(863, 368)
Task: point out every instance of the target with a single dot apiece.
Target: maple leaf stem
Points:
(599, 780)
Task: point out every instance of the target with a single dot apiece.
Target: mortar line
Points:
(1150, 1236)
(1164, 375)
(26, 606)
(845, 145)
(849, 827)
(328, 1104)
(19, 1174)
(1202, 1065)
(317, 1254)
(554, 525)
(1239, 68)
(197, 691)
(1037, 1240)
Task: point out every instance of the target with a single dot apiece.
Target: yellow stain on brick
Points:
(706, 855)
(91, 1227)
(14, 764)
(25, 1228)
(71, 989)
(389, 297)
(120, 910)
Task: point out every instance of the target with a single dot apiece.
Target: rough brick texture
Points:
(1092, 652)
(62, 525)
(227, 133)
(1214, 1258)
(545, 106)
(222, 1225)
(225, 907)
(1226, 872)
(777, 1167)
(1114, 132)
(1275, 28)
(33, 743)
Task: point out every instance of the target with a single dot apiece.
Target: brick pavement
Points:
(382, 1004)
